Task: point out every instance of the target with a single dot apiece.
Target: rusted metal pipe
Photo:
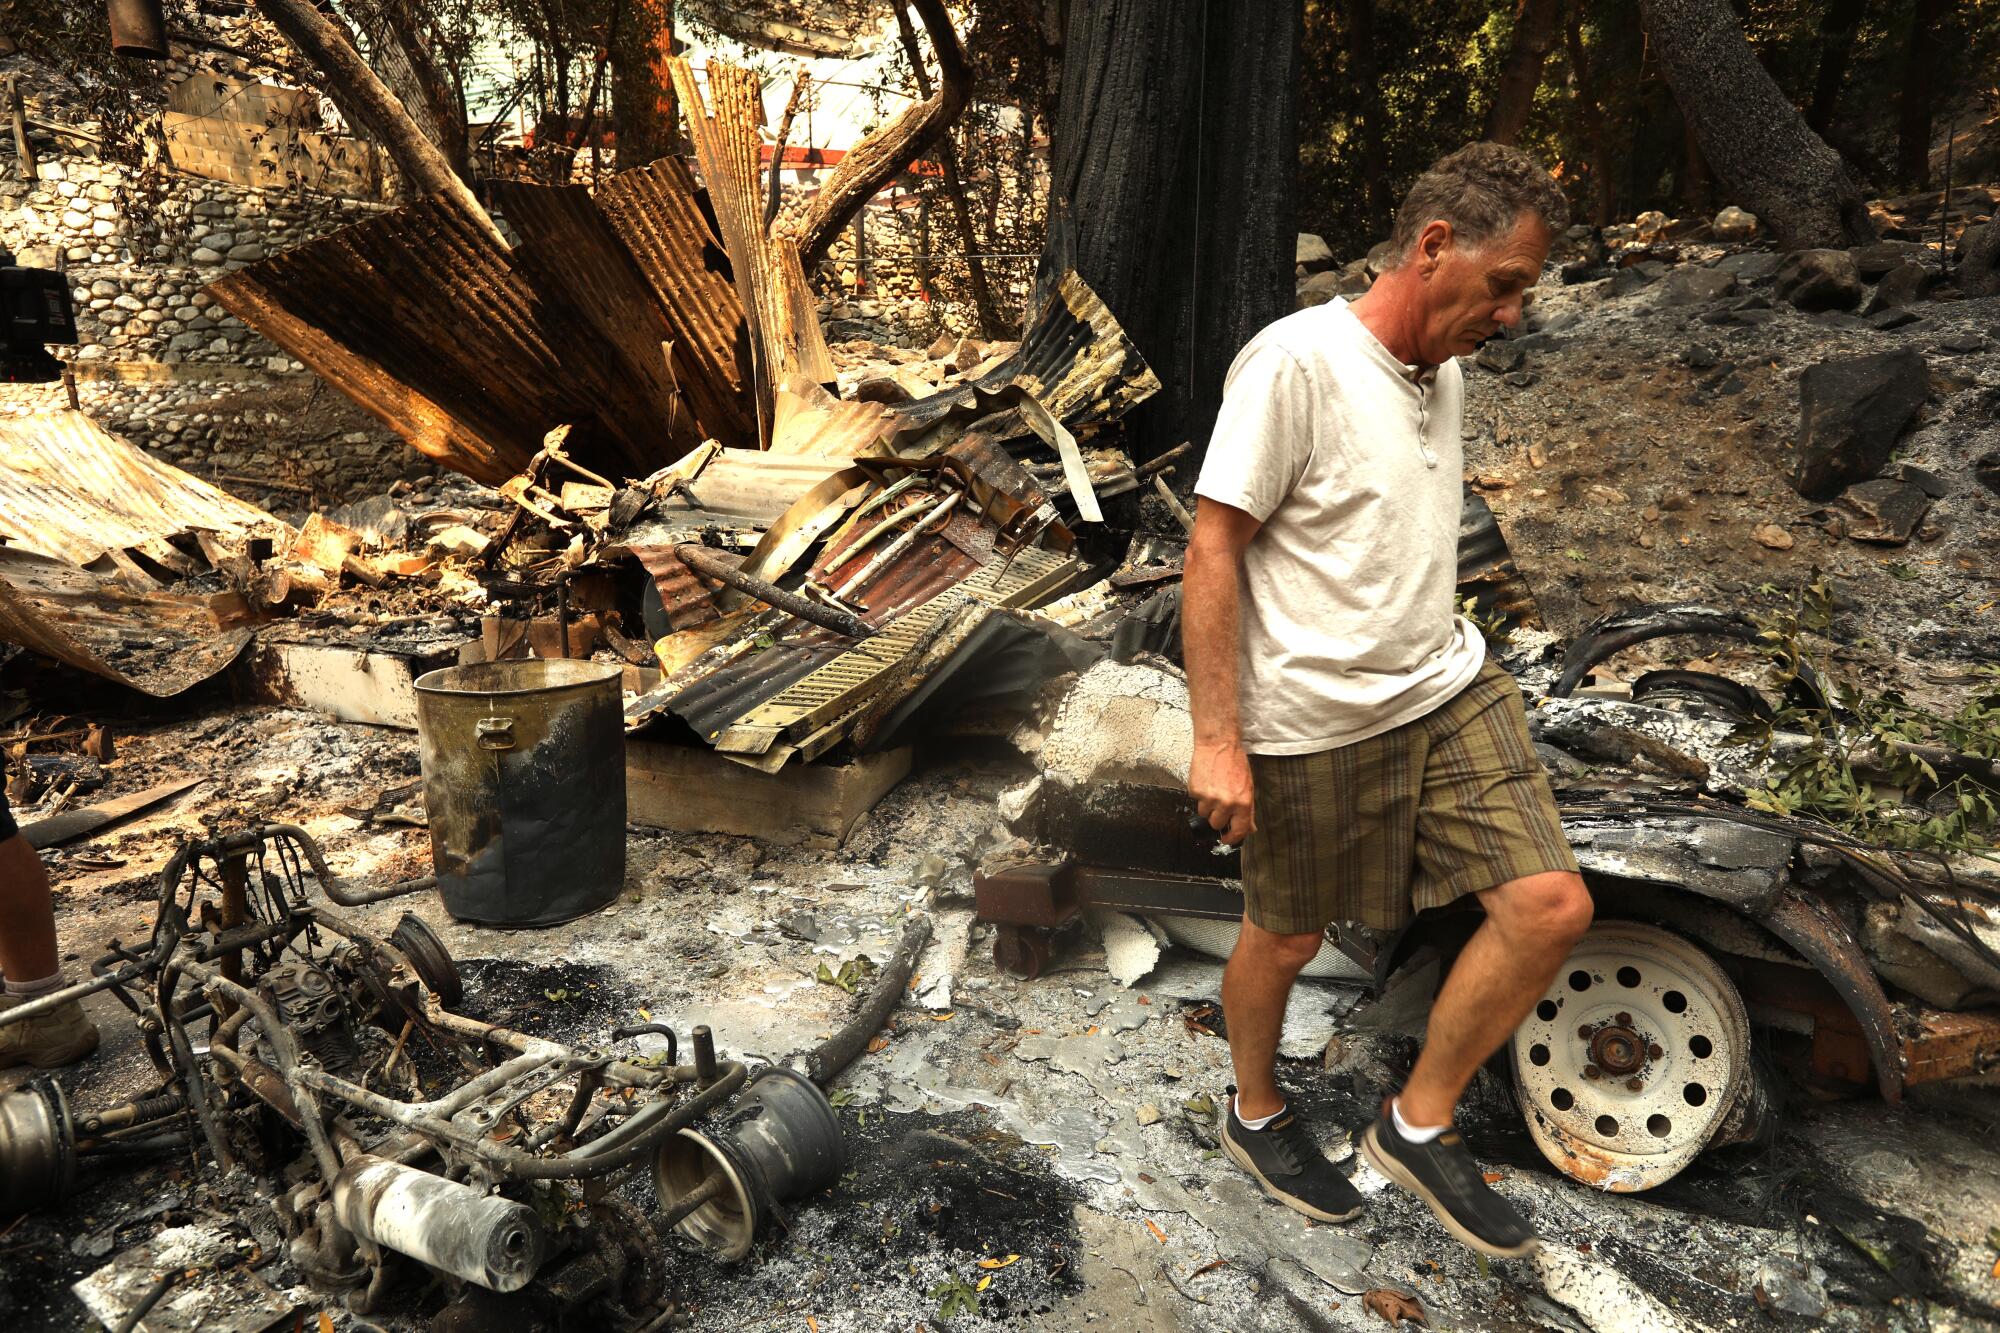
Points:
(707, 563)
(704, 1056)
(940, 510)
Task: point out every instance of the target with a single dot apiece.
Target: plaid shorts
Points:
(1453, 803)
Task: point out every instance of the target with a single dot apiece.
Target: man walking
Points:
(1346, 720)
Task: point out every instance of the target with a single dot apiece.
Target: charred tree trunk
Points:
(642, 91)
(1358, 18)
(1596, 127)
(1755, 141)
(1521, 71)
(424, 169)
(1175, 147)
(1836, 43)
(1921, 56)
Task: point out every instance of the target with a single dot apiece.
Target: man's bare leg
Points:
(27, 916)
(1531, 925)
(1255, 986)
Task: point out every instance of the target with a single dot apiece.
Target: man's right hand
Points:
(1219, 781)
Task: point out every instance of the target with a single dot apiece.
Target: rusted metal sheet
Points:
(73, 490)
(656, 211)
(784, 330)
(1486, 569)
(1074, 359)
(418, 317)
(1951, 1045)
(571, 256)
(156, 642)
(421, 318)
(686, 600)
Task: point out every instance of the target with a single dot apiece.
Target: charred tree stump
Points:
(1175, 144)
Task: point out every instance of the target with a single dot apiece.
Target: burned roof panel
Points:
(71, 489)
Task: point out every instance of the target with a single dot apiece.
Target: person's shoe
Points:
(1443, 1174)
(1290, 1166)
(61, 1036)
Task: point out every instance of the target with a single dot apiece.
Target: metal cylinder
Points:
(484, 1239)
(524, 782)
(37, 1149)
(138, 29)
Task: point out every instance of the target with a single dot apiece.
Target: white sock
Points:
(1259, 1122)
(1410, 1132)
(42, 986)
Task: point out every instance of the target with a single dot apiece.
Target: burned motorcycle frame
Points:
(272, 1018)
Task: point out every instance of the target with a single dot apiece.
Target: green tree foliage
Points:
(1391, 85)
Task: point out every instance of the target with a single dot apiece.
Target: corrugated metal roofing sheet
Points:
(657, 212)
(71, 489)
(155, 642)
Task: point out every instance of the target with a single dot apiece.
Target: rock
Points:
(1520, 379)
(1790, 1286)
(1894, 318)
(1650, 226)
(204, 255)
(1700, 356)
(1852, 410)
(1872, 261)
(1902, 285)
(1733, 224)
(1696, 286)
(1819, 280)
(1883, 512)
(1986, 470)
(1313, 252)
(1773, 536)
(1961, 340)
(1318, 289)
(1500, 356)
(1637, 278)
(1929, 482)
(1378, 259)
(1147, 1114)
(1979, 260)
(1355, 278)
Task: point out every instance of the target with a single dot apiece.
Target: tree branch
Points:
(877, 159)
(424, 169)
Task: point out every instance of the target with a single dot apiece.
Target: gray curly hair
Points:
(1481, 190)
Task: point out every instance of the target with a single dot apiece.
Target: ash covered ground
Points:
(1069, 1121)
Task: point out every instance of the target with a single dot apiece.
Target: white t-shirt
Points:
(1352, 460)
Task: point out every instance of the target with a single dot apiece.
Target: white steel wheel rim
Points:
(1665, 1032)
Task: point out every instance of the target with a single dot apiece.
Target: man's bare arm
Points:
(1219, 775)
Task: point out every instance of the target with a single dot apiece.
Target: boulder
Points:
(1313, 252)
(1355, 278)
(1819, 280)
(1696, 286)
(1902, 285)
(1852, 410)
(1318, 289)
(1884, 512)
(1378, 259)
(1872, 261)
(1500, 356)
(1979, 260)
(1755, 267)
(1733, 224)
(1650, 226)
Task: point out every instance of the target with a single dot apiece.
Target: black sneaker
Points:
(1290, 1166)
(1443, 1174)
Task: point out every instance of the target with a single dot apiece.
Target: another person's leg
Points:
(29, 961)
(1488, 826)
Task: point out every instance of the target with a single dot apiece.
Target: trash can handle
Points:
(494, 733)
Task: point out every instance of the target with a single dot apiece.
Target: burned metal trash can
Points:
(524, 781)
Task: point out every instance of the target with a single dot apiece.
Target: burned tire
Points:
(1634, 1060)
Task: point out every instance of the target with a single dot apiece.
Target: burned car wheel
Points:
(1635, 1058)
